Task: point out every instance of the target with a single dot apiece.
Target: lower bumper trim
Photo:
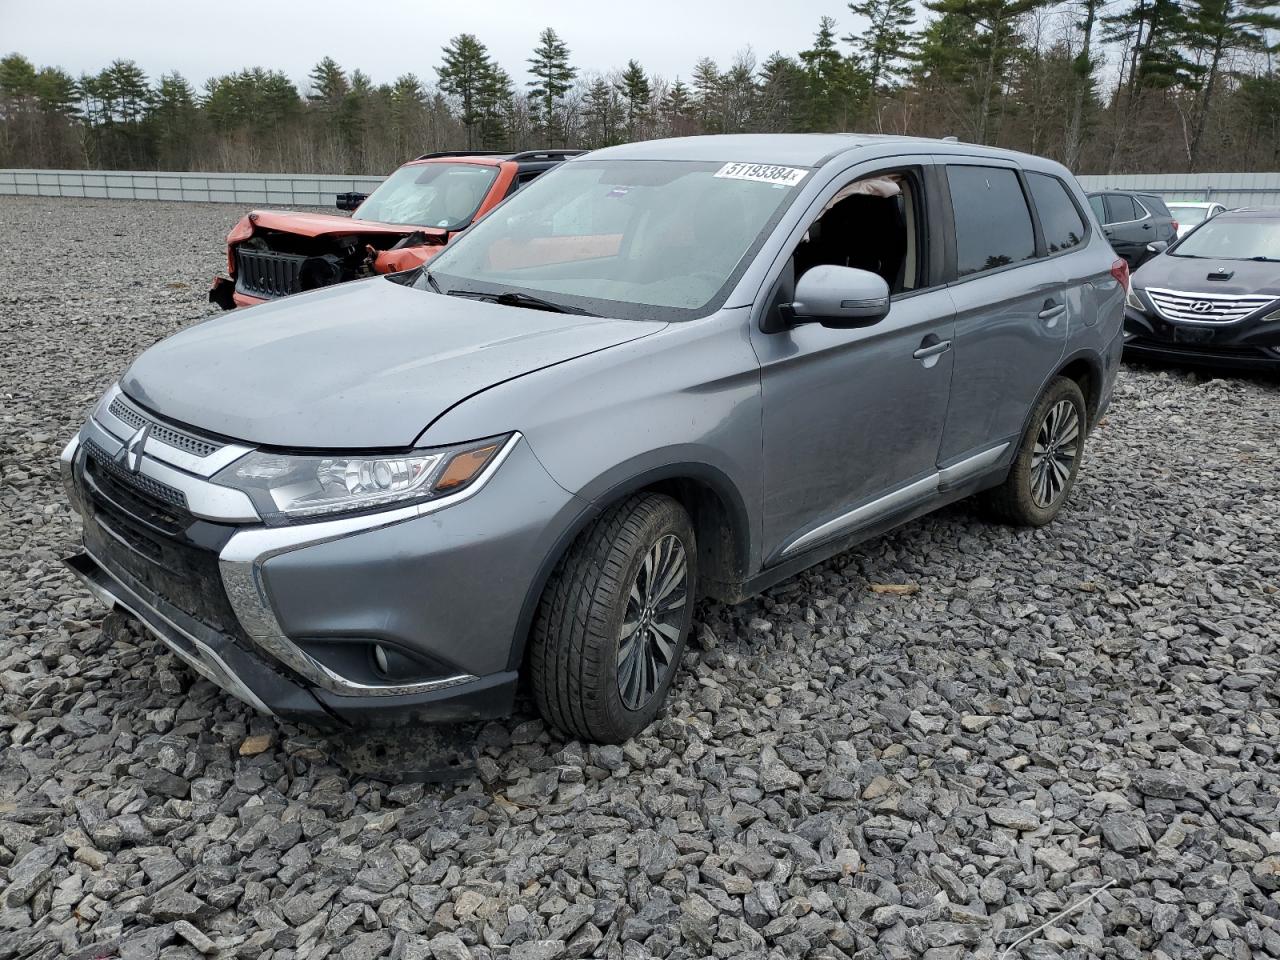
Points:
(200, 656)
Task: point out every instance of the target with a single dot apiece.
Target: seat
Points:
(862, 231)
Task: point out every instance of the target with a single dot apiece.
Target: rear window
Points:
(993, 224)
(1155, 205)
(1059, 218)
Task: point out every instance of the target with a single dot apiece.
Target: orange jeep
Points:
(401, 225)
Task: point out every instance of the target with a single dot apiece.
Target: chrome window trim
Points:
(243, 557)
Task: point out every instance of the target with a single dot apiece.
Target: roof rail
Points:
(460, 153)
(546, 154)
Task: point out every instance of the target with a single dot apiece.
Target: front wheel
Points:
(1047, 461)
(612, 622)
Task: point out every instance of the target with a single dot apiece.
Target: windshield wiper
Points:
(431, 280)
(513, 298)
(1266, 259)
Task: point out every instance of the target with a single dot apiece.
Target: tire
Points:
(1031, 496)
(587, 679)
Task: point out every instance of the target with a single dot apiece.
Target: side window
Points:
(1120, 208)
(1099, 209)
(1059, 218)
(993, 224)
(523, 180)
(873, 224)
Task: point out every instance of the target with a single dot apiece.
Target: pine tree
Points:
(636, 91)
(601, 112)
(674, 108)
(552, 78)
(885, 46)
(781, 90)
(463, 73)
(707, 90)
(173, 119)
(1216, 29)
(496, 95)
(329, 84)
(991, 46)
(831, 81)
(738, 93)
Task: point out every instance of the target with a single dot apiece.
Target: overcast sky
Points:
(386, 38)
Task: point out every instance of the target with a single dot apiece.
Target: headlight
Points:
(285, 487)
(1131, 300)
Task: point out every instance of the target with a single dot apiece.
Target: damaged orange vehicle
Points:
(405, 222)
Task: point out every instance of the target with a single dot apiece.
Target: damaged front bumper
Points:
(364, 621)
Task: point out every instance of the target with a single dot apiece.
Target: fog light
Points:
(380, 658)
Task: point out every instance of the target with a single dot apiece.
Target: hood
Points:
(368, 364)
(328, 224)
(1191, 274)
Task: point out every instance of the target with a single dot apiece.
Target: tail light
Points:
(1120, 270)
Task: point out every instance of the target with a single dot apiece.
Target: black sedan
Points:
(1213, 298)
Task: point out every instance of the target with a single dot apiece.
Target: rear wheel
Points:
(613, 620)
(1048, 459)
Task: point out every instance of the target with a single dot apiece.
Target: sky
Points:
(387, 38)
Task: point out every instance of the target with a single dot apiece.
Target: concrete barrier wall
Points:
(307, 190)
(273, 188)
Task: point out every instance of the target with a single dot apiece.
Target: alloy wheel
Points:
(652, 622)
(1054, 454)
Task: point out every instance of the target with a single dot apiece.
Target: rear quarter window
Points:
(1121, 209)
(993, 224)
(1060, 219)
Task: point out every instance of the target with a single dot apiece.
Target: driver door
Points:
(853, 418)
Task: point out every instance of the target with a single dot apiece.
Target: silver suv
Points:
(666, 370)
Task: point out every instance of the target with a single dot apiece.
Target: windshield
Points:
(430, 195)
(1223, 239)
(636, 239)
(1187, 215)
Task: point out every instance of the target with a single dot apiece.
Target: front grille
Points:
(138, 483)
(266, 274)
(196, 446)
(168, 553)
(1182, 306)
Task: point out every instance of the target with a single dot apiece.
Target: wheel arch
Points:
(720, 518)
(1086, 370)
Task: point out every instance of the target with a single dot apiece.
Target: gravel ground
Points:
(934, 769)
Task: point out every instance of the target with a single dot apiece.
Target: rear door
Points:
(1129, 226)
(1011, 311)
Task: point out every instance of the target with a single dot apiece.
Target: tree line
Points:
(1105, 86)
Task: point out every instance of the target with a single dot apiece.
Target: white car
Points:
(1190, 214)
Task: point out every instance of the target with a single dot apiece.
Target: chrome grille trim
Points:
(179, 439)
(117, 417)
(1195, 307)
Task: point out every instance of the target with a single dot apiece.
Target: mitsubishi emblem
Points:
(131, 454)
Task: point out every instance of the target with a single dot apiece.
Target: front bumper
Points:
(1249, 344)
(287, 618)
(223, 292)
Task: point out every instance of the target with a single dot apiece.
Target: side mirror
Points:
(1158, 246)
(349, 201)
(839, 297)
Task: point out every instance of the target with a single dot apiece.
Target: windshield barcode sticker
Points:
(762, 173)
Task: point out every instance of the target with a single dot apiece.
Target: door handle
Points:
(932, 350)
(1146, 226)
(1052, 309)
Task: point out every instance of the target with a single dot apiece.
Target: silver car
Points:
(665, 370)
